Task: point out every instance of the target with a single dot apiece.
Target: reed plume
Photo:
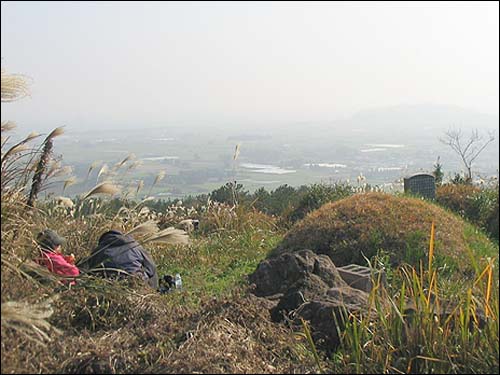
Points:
(170, 236)
(7, 126)
(14, 87)
(104, 169)
(91, 168)
(70, 181)
(236, 151)
(140, 185)
(103, 188)
(37, 180)
(148, 227)
(160, 176)
(29, 319)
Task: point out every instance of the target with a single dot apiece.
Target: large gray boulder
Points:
(308, 286)
(276, 275)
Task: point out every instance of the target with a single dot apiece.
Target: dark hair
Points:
(49, 239)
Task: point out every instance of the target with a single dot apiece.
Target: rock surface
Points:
(308, 286)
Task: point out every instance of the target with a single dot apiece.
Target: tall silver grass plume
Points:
(160, 176)
(64, 202)
(104, 169)
(40, 169)
(135, 164)
(63, 171)
(149, 227)
(103, 188)
(13, 86)
(140, 185)
(147, 199)
(56, 132)
(20, 147)
(91, 168)
(7, 126)
(170, 236)
(236, 151)
(29, 319)
(70, 181)
(31, 136)
(130, 156)
(53, 167)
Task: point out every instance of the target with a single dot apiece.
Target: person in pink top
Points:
(52, 258)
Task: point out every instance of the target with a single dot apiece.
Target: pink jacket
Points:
(59, 264)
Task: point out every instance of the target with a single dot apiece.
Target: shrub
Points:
(317, 195)
(478, 205)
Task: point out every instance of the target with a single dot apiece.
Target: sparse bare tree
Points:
(468, 149)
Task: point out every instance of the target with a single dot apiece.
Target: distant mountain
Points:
(416, 118)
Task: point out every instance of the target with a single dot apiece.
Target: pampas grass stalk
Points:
(14, 87)
(29, 319)
(104, 169)
(67, 169)
(17, 148)
(20, 146)
(140, 185)
(91, 168)
(160, 176)
(40, 169)
(149, 227)
(130, 156)
(7, 126)
(56, 132)
(103, 188)
(147, 199)
(70, 181)
(134, 165)
(169, 236)
(236, 151)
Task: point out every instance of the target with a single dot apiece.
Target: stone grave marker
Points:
(422, 184)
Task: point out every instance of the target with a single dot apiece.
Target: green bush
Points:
(478, 205)
(317, 195)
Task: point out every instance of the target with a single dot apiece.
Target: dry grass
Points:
(236, 335)
(29, 320)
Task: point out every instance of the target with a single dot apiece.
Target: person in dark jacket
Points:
(117, 252)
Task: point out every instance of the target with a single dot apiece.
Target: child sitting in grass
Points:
(51, 255)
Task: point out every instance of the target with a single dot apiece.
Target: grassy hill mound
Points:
(362, 225)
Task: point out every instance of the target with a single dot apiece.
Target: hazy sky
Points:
(150, 63)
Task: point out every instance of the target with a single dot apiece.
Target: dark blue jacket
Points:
(116, 250)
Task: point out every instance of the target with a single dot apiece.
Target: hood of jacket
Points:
(114, 238)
